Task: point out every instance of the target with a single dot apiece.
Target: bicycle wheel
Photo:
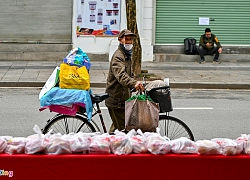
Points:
(65, 124)
(174, 128)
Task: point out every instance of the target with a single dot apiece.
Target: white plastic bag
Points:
(79, 142)
(57, 144)
(229, 147)
(100, 144)
(183, 145)
(207, 147)
(51, 82)
(157, 144)
(155, 84)
(36, 143)
(16, 145)
(120, 144)
(245, 140)
(3, 144)
(138, 142)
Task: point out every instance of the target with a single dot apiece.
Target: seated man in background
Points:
(206, 46)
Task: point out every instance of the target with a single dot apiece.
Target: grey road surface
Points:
(208, 113)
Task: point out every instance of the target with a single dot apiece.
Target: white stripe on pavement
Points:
(188, 108)
(198, 108)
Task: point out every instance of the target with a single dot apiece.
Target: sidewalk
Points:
(226, 75)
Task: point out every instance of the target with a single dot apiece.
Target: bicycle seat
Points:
(97, 98)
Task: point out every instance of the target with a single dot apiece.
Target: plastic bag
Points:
(206, 147)
(77, 57)
(36, 143)
(138, 142)
(245, 140)
(229, 147)
(141, 97)
(79, 142)
(3, 144)
(72, 77)
(100, 144)
(120, 143)
(183, 145)
(60, 96)
(141, 113)
(51, 82)
(157, 144)
(57, 144)
(16, 145)
(155, 84)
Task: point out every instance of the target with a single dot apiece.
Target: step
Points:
(160, 57)
(31, 52)
(32, 56)
(38, 52)
(19, 47)
(46, 56)
(179, 49)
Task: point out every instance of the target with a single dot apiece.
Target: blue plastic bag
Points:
(77, 57)
(58, 96)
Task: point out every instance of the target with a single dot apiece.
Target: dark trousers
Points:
(118, 119)
(202, 52)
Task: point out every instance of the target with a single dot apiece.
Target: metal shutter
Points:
(39, 21)
(178, 19)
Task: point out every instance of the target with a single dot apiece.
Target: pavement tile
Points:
(181, 74)
(20, 63)
(34, 63)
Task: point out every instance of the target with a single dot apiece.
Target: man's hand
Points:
(220, 50)
(139, 86)
(208, 44)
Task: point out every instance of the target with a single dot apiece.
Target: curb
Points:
(179, 85)
(21, 84)
(190, 85)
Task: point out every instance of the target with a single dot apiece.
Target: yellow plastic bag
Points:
(73, 77)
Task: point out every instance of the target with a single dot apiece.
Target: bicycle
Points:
(170, 126)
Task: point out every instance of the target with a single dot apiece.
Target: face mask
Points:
(128, 47)
(208, 36)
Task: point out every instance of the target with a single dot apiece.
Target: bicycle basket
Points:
(162, 96)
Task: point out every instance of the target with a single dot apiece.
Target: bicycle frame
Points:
(98, 111)
(101, 117)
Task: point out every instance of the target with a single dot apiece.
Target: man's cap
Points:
(125, 32)
(207, 30)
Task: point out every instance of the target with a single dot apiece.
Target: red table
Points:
(134, 166)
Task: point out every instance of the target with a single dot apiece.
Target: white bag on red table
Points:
(141, 113)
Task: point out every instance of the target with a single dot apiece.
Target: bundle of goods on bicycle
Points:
(75, 63)
(74, 71)
(67, 101)
(72, 80)
(134, 142)
(76, 57)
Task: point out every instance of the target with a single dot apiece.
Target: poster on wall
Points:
(98, 17)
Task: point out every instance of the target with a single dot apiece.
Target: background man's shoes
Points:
(202, 61)
(216, 61)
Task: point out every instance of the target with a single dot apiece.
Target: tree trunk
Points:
(132, 26)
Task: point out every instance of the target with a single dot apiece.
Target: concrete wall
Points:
(36, 21)
(107, 45)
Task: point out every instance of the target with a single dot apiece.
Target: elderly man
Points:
(120, 80)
